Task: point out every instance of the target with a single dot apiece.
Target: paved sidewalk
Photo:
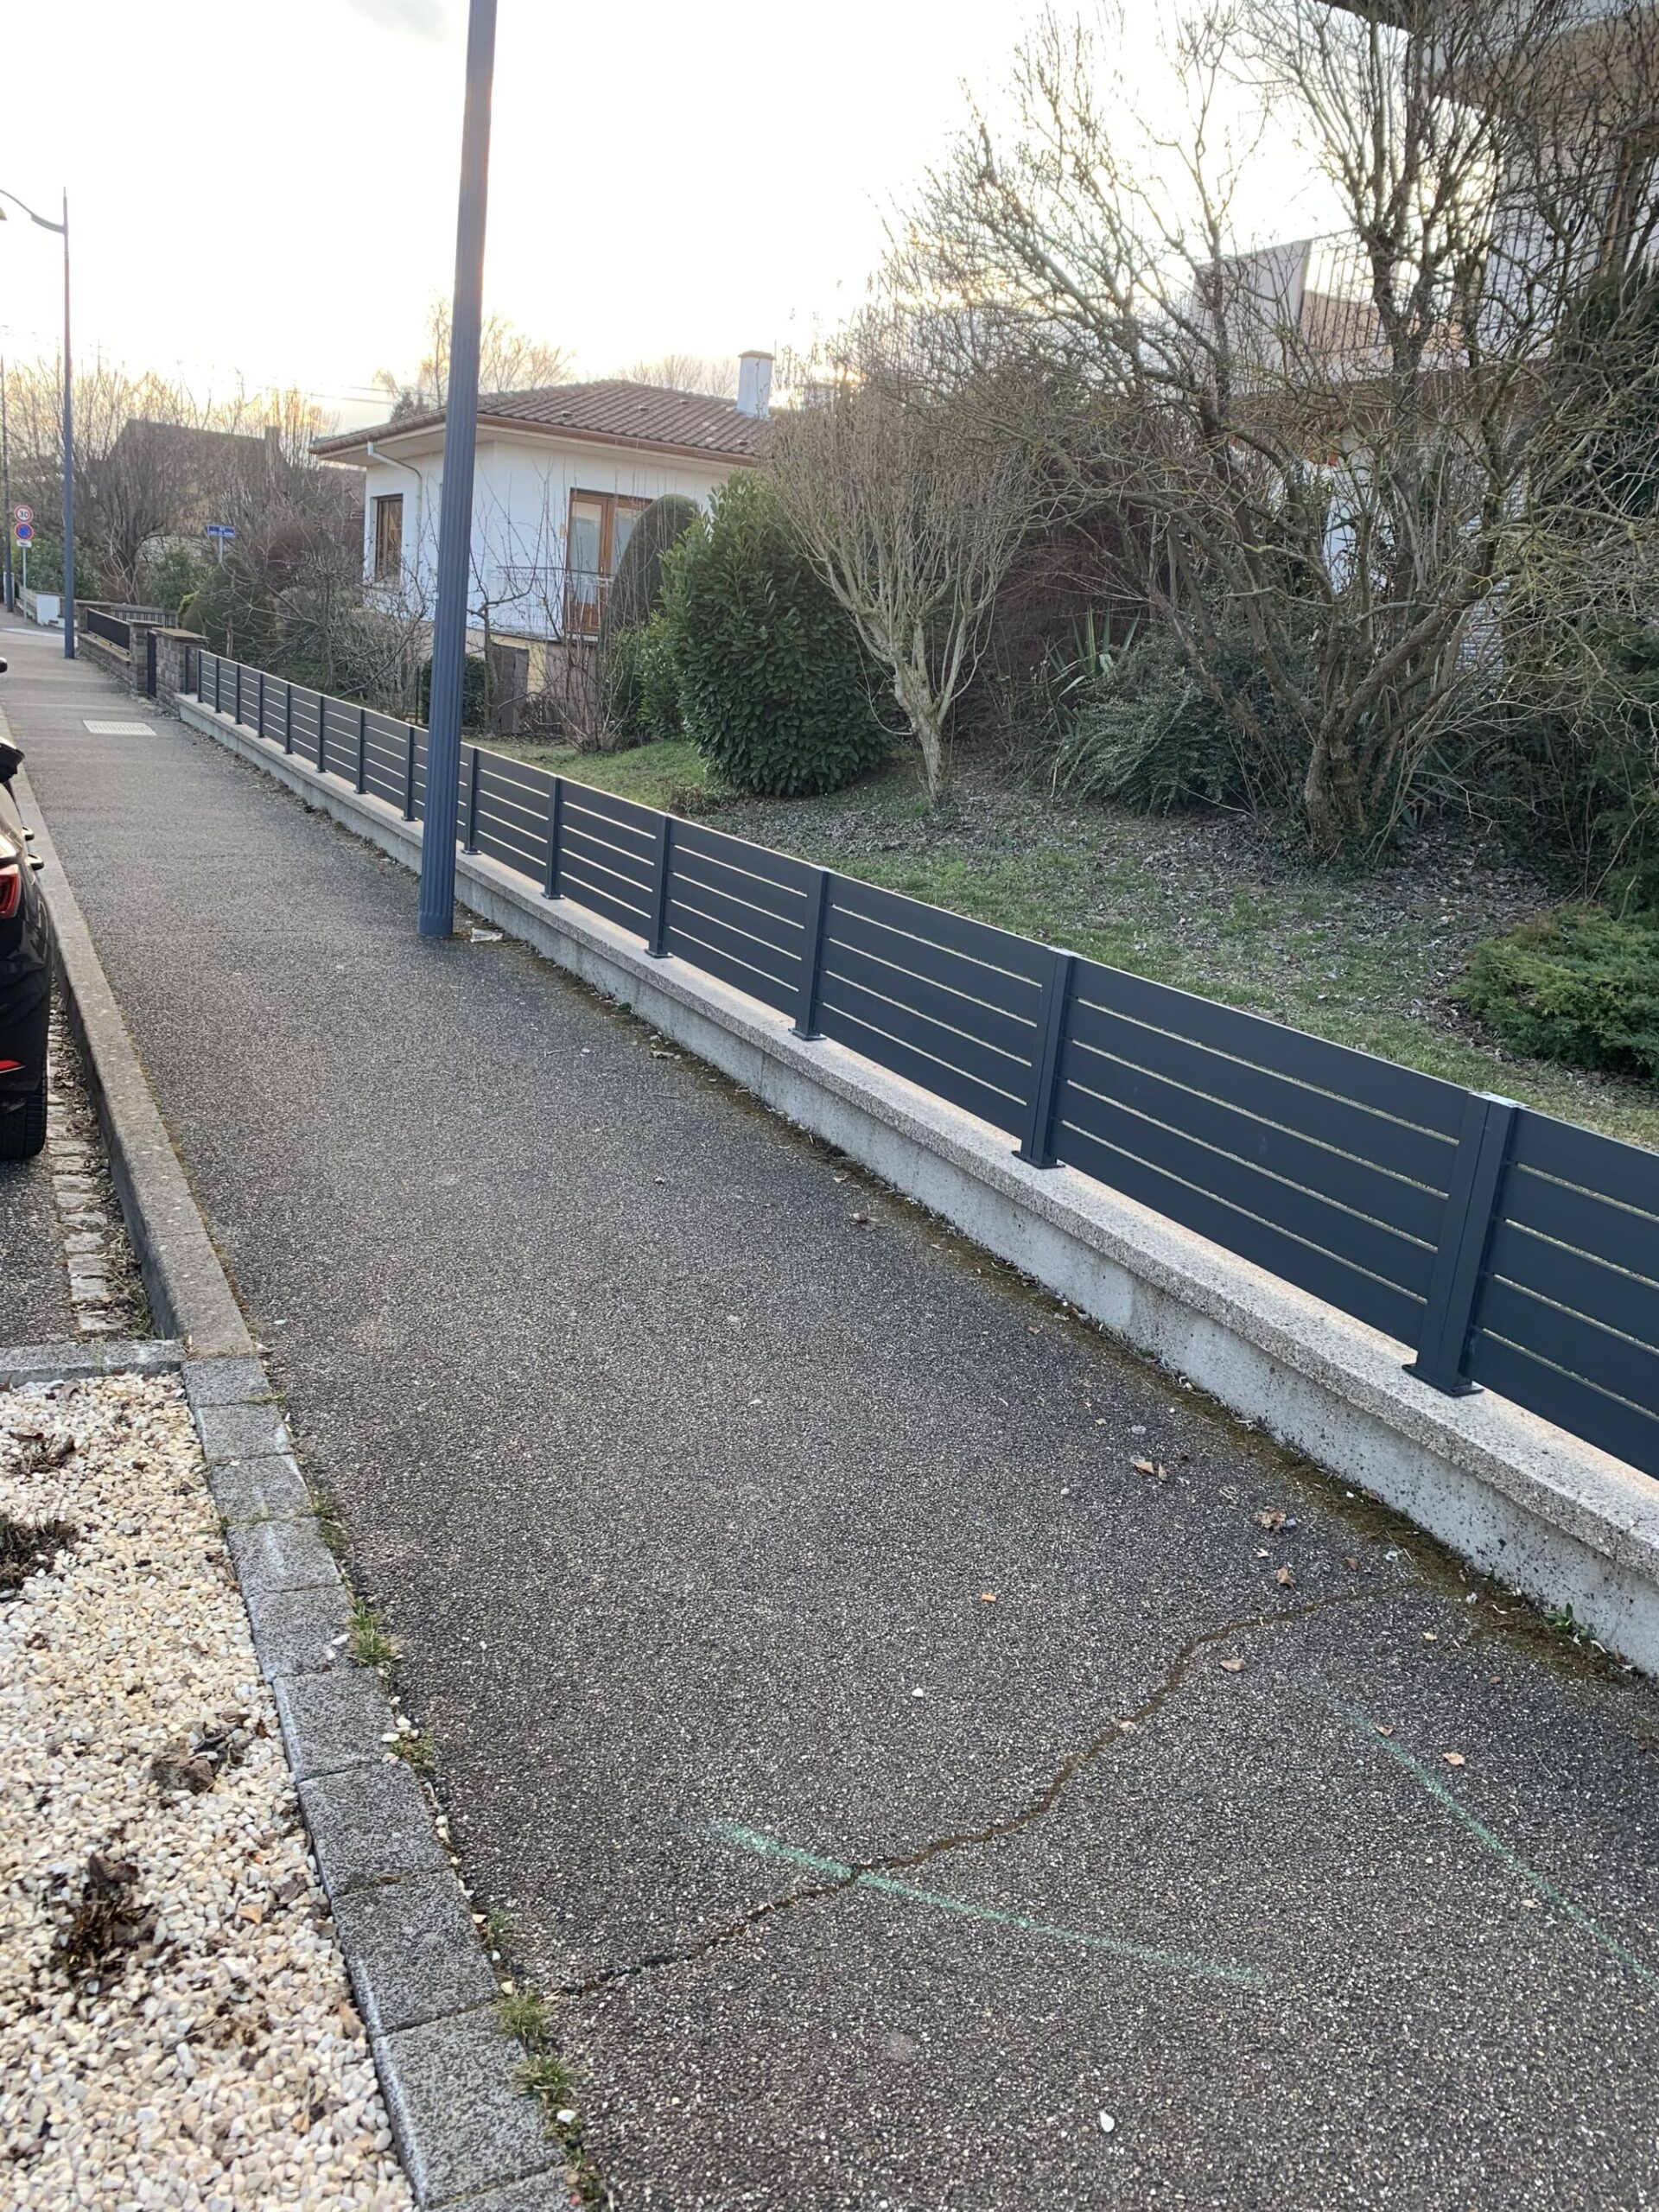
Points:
(735, 1546)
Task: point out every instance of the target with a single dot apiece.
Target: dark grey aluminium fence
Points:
(110, 627)
(1507, 1249)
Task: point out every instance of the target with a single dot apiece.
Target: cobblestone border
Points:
(470, 2139)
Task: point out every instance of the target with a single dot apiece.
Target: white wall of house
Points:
(522, 488)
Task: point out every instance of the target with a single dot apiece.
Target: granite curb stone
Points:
(413, 1952)
(541, 2193)
(22, 1364)
(276, 1556)
(301, 1632)
(461, 2122)
(269, 1488)
(223, 1382)
(332, 1721)
(239, 1431)
(370, 1824)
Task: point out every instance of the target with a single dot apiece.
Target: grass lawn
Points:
(1200, 901)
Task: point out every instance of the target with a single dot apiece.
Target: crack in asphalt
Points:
(1117, 1730)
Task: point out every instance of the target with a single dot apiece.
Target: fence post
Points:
(287, 716)
(555, 831)
(362, 748)
(238, 695)
(1037, 1148)
(1478, 1174)
(817, 911)
(409, 771)
(149, 664)
(656, 940)
(261, 724)
(219, 682)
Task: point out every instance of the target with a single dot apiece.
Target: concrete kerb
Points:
(470, 2139)
(1554, 1518)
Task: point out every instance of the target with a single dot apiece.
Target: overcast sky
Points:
(269, 191)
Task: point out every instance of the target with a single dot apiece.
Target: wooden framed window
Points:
(389, 537)
(600, 526)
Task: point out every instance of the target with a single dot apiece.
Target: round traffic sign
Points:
(25, 514)
(25, 532)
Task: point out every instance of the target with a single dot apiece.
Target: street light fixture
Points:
(62, 231)
(455, 508)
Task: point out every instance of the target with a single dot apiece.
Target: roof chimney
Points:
(754, 385)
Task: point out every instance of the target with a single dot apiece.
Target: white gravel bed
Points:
(175, 2022)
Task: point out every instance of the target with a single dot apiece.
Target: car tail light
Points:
(11, 890)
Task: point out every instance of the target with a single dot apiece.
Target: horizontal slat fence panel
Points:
(512, 813)
(275, 710)
(384, 757)
(307, 724)
(950, 1004)
(1240, 1129)
(1350, 1177)
(740, 911)
(1566, 1321)
(607, 849)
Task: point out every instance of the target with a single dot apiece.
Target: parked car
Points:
(25, 978)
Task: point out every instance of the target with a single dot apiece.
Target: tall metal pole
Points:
(8, 593)
(68, 458)
(455, 512)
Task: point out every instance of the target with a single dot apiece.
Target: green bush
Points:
(637, 587)
(46, 568)
(641, 689)
(167, 579)
(1580, 985)
(636, 686)
(775, 688)
(1137, 726)
(234, 611)
(475, 701)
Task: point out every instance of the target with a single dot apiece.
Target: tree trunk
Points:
(915, 697)
(1333, 801)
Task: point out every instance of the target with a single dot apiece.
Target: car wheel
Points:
(22, 1131)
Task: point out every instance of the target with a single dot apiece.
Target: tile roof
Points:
(613, 411)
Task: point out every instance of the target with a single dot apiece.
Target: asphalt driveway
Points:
(919, 1804)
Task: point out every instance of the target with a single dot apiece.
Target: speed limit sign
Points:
(22, 514)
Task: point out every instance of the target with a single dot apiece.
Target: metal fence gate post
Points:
(261, 724)
(218, 673)
(1037, 1146)
(238, 695)
(470, 843)
(149, 664)
(818, 911)
(555, 830)
(362, 748)
(287, 717)
(1477, 1173)
(409, 771)
(662, 861)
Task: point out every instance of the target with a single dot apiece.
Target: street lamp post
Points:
(455, 510)
(62, 231)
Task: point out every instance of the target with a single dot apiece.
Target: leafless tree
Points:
(509, 360)
(908, 509)
(716, 377)
(1325, 450)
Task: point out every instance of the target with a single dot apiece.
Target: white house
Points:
(560, 476)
